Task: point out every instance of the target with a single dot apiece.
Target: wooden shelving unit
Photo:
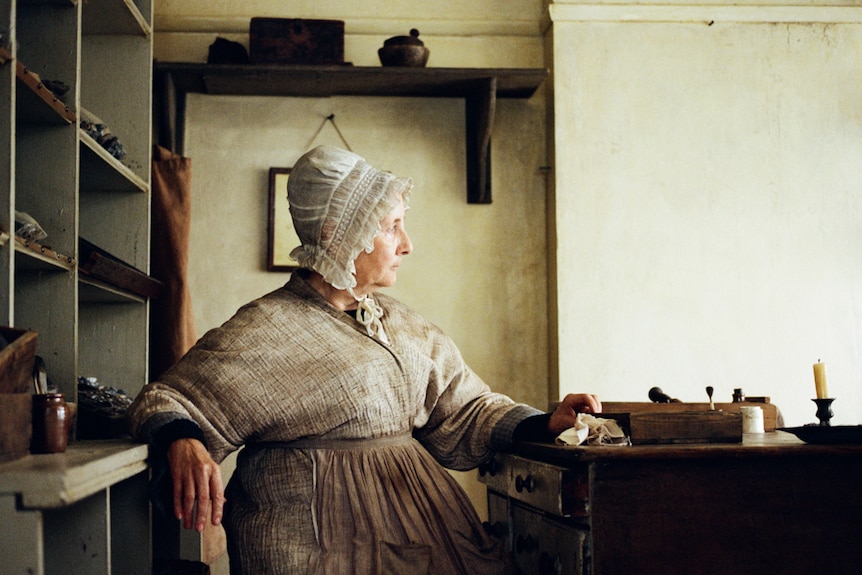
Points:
(83, 512)
(73, 187)
(480, 88)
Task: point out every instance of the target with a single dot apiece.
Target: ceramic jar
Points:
(51, 423)
(407, 51)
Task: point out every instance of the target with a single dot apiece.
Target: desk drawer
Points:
(542, 545)
(562, 491)
(558, 490)
(498, 524)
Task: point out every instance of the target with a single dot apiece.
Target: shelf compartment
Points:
(102, 172)
(91, 290)
(114, 17)
(36, 104)
(480, 87)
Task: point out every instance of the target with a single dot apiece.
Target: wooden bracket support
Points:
(480, 107)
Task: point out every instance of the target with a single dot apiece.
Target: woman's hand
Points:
(197, 483)
(566, 413)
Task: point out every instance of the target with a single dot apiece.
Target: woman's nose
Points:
(406, 245)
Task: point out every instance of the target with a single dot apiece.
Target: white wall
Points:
(709, 201)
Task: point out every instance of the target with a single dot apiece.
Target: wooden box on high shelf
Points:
(16, 392)
(296, 41)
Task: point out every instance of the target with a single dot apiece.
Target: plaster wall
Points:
(478, 271)
(708, 201)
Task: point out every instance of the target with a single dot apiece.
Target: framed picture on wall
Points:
(282, 237)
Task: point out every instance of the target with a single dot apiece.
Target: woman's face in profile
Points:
(379, 268)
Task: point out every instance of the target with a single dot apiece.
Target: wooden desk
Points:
(771, 505)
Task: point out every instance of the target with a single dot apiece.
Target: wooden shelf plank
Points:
(94, 291)
(41, 257)
(325, 81)
(38, 104)
(59, 479)
(102, 266)
(103, 171)
(480, 87)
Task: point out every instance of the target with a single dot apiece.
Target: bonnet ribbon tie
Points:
(369, 314)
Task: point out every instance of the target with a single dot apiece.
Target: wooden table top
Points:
(777, 444)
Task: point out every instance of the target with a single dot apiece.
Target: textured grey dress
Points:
(344, 438)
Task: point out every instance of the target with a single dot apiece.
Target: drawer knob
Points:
(496, 529)
(526, 544)
(489, 468)
(521, 483)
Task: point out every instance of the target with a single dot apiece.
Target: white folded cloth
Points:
(593, 430)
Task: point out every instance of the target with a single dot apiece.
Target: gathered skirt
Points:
(376, 507)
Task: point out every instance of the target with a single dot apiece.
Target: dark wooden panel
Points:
(742, 516)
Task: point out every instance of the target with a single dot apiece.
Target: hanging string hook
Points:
(330, 118)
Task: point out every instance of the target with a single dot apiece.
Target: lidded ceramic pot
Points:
(404, 51)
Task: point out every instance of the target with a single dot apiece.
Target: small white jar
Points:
(752, 419)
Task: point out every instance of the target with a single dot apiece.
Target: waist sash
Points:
(335, 444)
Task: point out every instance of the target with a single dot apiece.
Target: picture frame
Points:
(282, 237)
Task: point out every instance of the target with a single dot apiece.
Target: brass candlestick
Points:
(824, 410)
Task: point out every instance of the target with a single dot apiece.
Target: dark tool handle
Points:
(656, 395)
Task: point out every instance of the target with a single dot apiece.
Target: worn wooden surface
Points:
(708, 426)
(326, 81)
(102, 265)
(771, 504)
(16, 360)
(59, 479)
(16, 427)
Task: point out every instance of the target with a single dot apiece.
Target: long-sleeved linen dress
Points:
(341, 434)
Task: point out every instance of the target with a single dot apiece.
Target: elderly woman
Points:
(348, 405)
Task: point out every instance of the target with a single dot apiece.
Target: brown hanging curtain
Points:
(172, 325)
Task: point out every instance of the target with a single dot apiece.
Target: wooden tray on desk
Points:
(669, 427)
(656, 423)
(771, 415)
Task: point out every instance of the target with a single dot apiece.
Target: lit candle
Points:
(820, 380)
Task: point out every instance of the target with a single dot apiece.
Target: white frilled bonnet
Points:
(337, 201)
